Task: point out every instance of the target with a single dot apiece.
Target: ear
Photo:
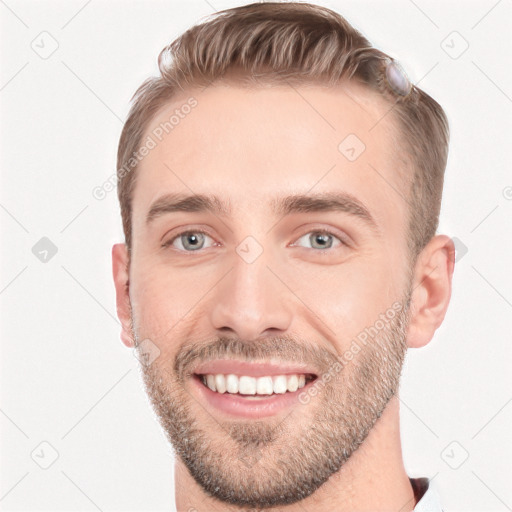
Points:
(431, 290)
(120, 266)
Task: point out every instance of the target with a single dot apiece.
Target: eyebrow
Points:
(324, 202)
(170, 203)
(280, 206)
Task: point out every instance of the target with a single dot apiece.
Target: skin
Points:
(247, 146)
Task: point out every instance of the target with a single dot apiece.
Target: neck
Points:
(374, 478)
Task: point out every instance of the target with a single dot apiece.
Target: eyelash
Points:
(316, 231)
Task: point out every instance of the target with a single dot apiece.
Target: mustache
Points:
(286, 348)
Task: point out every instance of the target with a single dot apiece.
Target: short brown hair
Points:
(275, 42)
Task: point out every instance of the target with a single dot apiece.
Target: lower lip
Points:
(237, 405)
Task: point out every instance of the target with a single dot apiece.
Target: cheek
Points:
(350, 298)
(161, 296)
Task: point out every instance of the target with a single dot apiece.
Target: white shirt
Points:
(429, 501)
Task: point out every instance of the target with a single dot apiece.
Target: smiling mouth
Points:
(255, 387)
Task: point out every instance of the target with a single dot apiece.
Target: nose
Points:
(251, 302)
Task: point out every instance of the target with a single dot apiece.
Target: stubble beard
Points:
(269, 462)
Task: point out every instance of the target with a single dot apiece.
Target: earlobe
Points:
(431, 290)
(120, 271)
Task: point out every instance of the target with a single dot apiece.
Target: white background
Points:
(67, 380)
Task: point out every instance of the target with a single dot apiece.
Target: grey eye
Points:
(192, 241)
(319, 240)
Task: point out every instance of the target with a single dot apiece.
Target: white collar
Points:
(430, 500)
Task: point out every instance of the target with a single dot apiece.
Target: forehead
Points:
(249, 146)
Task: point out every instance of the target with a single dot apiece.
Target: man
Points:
(280, 187)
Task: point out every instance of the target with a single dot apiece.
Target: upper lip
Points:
(252, 369)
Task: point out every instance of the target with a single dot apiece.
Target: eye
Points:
(320, 239)
(188, 241)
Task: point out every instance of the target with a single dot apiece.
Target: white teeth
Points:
(279, 384)
(264, 386)
(293, 383)
(220, 383)
(231, 383)
(210, 382)
(246, 385)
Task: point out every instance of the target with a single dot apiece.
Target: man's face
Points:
(292, 283)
